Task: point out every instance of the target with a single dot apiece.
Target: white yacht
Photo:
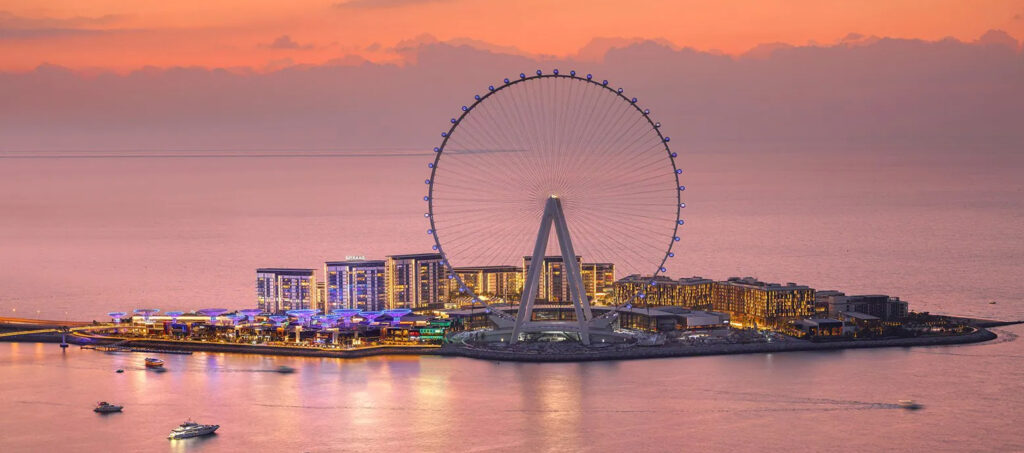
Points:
(191, 429)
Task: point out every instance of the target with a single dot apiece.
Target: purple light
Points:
(304, 315)
(278, 319)
(506, 80)
(346, 315)
(396, 315)
(174, 316)
(490, 88)
(213, 313)
(251, 313)
(555, 72)
(572, 73)
(116, 316)
(370, 316)
(146, 313)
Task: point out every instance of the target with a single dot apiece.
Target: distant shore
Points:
(980, 334)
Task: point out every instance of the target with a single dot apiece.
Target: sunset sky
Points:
(261, 34)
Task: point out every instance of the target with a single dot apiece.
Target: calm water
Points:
(81, 237)
(974, 400)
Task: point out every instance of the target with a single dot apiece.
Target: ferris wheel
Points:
(571, 152)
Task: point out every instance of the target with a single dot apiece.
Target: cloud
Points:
(383, 4)
(285, 42)
(890, 93)
(21, 27)
(998, 38)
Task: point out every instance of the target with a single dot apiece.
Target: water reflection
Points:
(444, 404)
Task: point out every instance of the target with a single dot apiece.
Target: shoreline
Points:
(981, 334)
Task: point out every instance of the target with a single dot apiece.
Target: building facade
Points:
(493, 282)
(693, 292)
(415, 281)
(835, 303)
(599, 281)
(282, 289)
(356, 284)
(755, 303)
(553, 286)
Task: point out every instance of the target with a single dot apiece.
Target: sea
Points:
(83, 233)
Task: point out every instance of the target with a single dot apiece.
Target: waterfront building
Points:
(599, 281)
(691, 292)
(669, 318)
(822, 327)
(493, 282)
(415, 281)
(282, 289)
(756, 303)
(321, 296)
(553, 285)
(356, 284)
(835, 303)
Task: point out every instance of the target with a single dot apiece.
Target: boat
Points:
(104, 407)
(284, 369)
(120, 370)
(152, 362)
(909, 404)
(191, 429)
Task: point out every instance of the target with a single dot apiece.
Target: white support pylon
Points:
(553, 215)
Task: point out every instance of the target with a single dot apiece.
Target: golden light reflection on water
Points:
(446, 404)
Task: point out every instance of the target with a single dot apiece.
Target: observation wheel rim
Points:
(507, 83)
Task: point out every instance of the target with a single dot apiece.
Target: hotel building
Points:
(756, 303)
(282, 289)
(553, 286)
(835, 304)
(356, 284)
(599, 281)
(693, 292)
(494, 282)
(415, 281)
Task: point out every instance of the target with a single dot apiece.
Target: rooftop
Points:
(284, 270)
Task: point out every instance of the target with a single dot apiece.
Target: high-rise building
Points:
(553, 285)
(356, 284)
(692, 292)
(283, 289)
(599, 281)
(750, 301)
(495, 282)
(416, 281)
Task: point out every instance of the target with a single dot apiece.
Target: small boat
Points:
(283, 369)
(104, 407)
(191, 429)
(909, 404)
(992, 303)
(120, 370)
(152, 362)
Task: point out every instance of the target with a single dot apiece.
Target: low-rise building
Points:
(751, 302)
(835, 303)
(668, 318)
(692, 292)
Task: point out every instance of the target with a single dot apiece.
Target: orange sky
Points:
(120, 35)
